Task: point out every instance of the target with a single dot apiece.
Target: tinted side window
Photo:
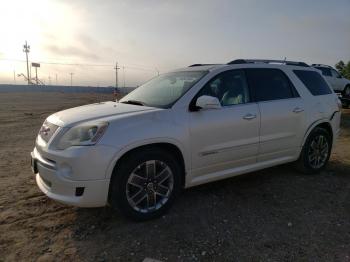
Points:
(230, 87)
(325, 71)
(314, 82)
(269, 84)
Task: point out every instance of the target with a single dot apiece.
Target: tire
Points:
(346, 94)
(145, 183)
(315, 155)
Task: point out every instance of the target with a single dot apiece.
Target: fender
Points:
(145, 142)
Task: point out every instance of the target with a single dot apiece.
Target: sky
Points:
(147, 37)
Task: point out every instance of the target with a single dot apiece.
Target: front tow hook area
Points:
(33, 164)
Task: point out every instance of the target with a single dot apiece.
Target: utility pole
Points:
(26, 49)
(49, 79)
(71, 79)
(56, 79)
(116, 74)
(124, 75)
(14, 76)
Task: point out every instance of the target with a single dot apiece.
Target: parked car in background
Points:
(340, 84)
(185, 128)
(335, 79)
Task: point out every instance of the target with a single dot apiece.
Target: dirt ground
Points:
(276, 214)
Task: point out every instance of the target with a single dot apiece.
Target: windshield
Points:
(163, 91)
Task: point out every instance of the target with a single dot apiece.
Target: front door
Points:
(226, 138)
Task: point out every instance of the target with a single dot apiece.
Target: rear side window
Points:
(325, 71)
(269, 84)
(314, 82)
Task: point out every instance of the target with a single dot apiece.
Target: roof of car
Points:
(321, 65)
(246, 62)
(200, 67)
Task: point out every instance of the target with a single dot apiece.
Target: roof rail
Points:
(266, 61)
(321, 65)
(201, 65)
(237, 61)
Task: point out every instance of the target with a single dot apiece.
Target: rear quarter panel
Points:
(320, 109)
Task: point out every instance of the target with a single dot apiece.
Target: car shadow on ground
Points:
(257, 215)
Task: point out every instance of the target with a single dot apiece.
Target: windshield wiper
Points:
(134, 102)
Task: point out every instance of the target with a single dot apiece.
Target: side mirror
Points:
(208, 102)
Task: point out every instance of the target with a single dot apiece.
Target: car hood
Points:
(96, 111)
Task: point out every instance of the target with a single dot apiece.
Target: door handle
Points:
(249, 116)
(298, 110)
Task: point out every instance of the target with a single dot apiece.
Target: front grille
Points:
(47, 130)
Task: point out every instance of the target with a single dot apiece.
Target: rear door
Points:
(282, 113)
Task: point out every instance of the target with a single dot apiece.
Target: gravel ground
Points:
(276, 214)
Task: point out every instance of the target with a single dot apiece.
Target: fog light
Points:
(79, 191)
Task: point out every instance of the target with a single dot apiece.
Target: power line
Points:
(74, 64)
(83, 64)
(57, 63)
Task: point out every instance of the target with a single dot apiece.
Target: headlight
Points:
(82, 135)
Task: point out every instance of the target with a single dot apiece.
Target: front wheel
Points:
(145, 184)
(316, 152)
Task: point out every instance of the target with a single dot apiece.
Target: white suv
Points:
(185, 128)
(337, 82)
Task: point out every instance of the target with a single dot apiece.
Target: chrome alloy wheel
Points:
(149, 186)
(318, 151)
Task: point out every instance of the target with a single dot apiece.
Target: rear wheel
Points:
(346, 91)
(345, 104)
(346, 94)
(145, 184)
(316, 152)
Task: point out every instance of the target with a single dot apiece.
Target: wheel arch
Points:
(171, 146)
(322, 124)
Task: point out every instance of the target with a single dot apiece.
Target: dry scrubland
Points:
(273, 215)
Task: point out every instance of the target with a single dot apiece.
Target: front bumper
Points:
(82, 193)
